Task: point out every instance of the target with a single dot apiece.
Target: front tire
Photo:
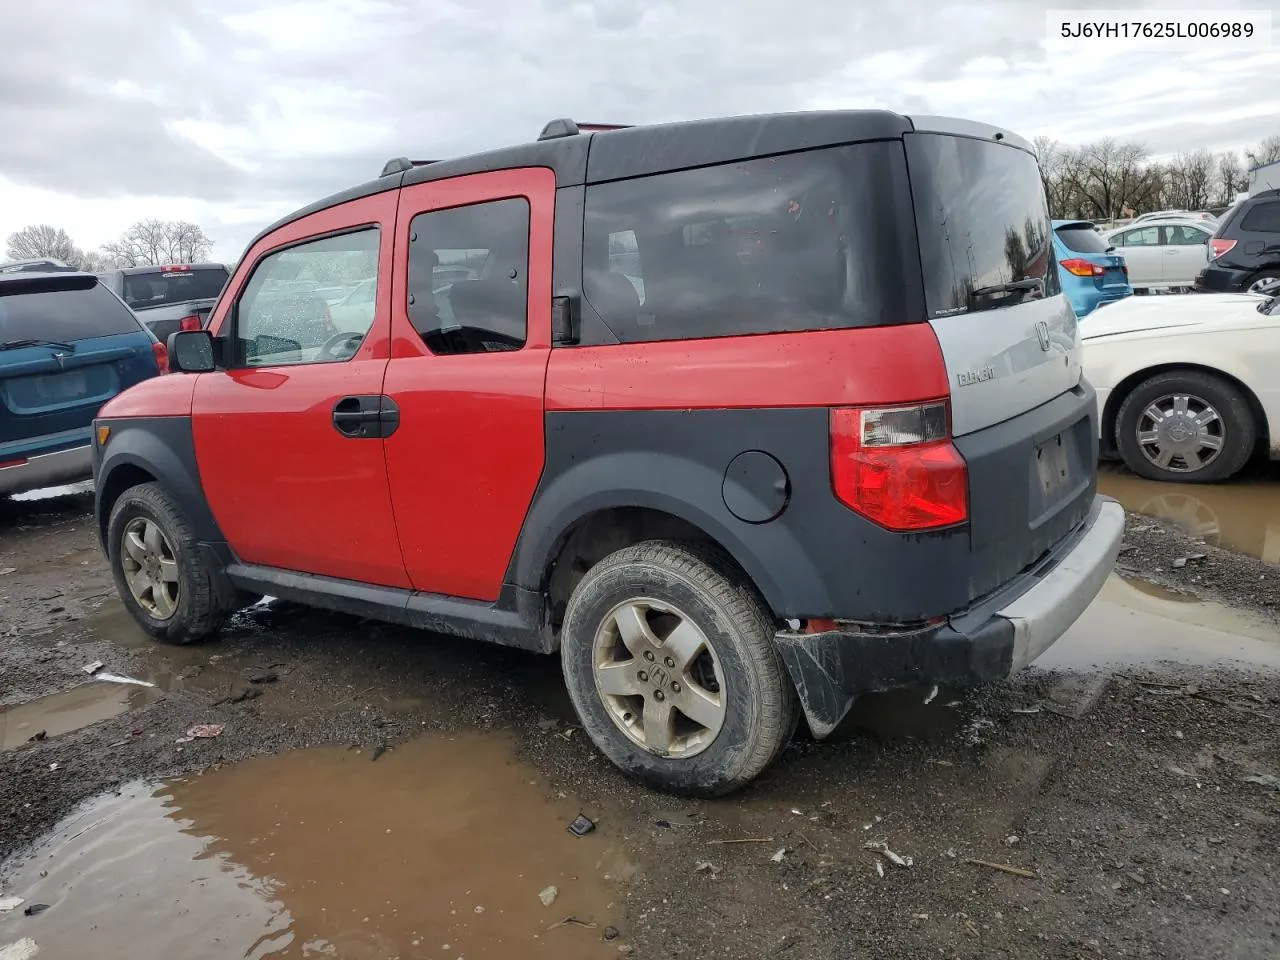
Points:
(159, 572)
(671, 665)
(1185, 426)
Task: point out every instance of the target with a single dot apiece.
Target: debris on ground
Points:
(880, 867)
(9, 903)
(1264, 779)
(205, 731)
(882, 848)
(92, 668)
(777, 857)
(23, 949)
(117, 678)
(668, 820)
(742, 840)
(377, 751)
(35, 909)
(932, 693)
(5, 571)
(572, 921)
(38, 736)
(548, 895)
(581, 825)
(611, 933)
(1003, 868)
(267, 676)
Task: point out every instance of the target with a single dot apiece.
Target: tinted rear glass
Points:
(804, 241)
(982, 218)
(55, 310)
(164, 288)
(1083, 240)
(1264, 218)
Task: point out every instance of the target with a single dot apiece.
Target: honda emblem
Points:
(1042, 331)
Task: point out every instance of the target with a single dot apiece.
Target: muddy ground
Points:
(1116, 797)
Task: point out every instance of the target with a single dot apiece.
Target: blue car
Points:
(67, 346)
(1092, 274)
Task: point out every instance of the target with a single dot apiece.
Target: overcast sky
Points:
(231, 113)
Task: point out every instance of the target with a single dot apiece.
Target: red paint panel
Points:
(465, 463)
(872, 365)
(286, 488)
(168, 396)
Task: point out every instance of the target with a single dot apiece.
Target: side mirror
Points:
(191, 351)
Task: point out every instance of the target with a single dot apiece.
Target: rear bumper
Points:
(991, 641)
(47, 470)
(1221, 279)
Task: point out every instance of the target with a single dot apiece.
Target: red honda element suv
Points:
(744, 417)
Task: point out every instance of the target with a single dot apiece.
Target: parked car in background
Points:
(1092, 273)
(67, 346)
(1244, 251)
(1163, 254)
(1172, 215)
(821, 458)
(1187, 386)
(355, 310)
(171, 297)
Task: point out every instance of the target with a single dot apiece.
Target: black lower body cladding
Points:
(808, 554)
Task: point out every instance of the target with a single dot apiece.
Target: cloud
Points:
(233, 113)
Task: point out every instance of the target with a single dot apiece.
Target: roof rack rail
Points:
(401, 164)
(564, 127)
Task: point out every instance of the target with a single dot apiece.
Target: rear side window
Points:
(806, 241)
(1264, 218)
(161, 288)
(58, 310)
(1082, 239)
(468, 277)
(982, 218)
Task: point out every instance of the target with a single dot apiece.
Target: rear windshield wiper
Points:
(37, 342)
(1013, 286)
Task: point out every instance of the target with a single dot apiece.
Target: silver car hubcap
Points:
(659, 678)
(1181, 433)
(150, 568)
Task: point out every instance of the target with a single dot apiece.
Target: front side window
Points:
(814, 240)
(468, 277)
(281, 317)
(1145, 237)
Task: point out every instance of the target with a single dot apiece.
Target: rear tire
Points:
(1205, 420)
(159, 572)
(627, 650)
(1258, 279)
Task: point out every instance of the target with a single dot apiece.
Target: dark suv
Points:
(743, 417)
(1244, 252)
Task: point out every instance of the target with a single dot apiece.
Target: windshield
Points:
(1082, 239)
(50, 309)
(982, 218)
(162, 288)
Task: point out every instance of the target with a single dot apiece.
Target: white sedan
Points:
(1163, 254)
(1188, 387)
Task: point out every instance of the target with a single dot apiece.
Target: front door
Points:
(1142, 254)
(471, 337)
(1184, 253)
(289, 437)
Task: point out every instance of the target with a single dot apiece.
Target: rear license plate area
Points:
(1052, 469)
(1059, 474)
(60, 387)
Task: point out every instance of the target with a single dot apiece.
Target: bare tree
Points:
(1231, 178)
(1189, 180)
(95, 261)
(41, 240)
(1267, 151)
(155, 242)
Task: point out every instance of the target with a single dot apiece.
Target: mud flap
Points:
(815, 667)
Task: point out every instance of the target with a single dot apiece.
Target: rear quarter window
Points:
(1263, 218)
(982, 218)
(814, 240)
(54, 309)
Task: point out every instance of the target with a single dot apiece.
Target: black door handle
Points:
(357, 417)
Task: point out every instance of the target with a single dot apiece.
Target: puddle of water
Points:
(1242, 516)
(439, 849)
(73, 709)
(1134, 623)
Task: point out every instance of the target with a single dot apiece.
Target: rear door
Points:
(471, 338)
(67, 345)
(1184, 252)
(1143, 253)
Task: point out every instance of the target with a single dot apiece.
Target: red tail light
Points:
(897, 466)
(189, 323)
(1218, 247)
(1082, 268)
(162, 356)
(176, 268)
